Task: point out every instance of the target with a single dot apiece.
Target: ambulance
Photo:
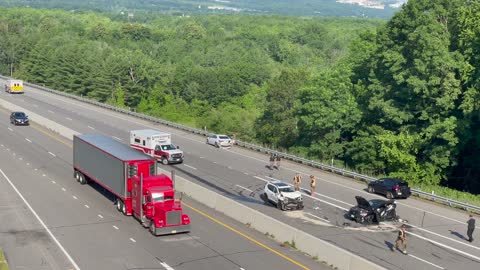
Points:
(156, 144)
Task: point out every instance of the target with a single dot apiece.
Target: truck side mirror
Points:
(178, 147)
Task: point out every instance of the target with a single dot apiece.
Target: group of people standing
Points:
(297, 180)
(401, 241)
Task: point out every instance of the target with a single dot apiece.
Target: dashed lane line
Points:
(247, 237)
(425, 261)
(244, 188)
(165, 265)
(100, 216)
(191, 167)
(28, 140)
(322, 219)
(133, 240)
(115, 227)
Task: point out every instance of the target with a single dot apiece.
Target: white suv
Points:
(283, 196)
(219, 140)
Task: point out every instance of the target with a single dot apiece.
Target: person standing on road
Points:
(297, 179)
(313, 184)
(272, 160)
(470, 228)
(278, 159)
(401, 240)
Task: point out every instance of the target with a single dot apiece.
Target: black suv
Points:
(390, 187)
(19, 118)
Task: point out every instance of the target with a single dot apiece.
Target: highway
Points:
(434, 233)
(55, 223)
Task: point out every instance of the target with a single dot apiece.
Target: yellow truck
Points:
(14, 86)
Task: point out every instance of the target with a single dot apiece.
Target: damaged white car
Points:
(283, 196)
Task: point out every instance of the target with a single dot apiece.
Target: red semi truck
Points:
(131, 177)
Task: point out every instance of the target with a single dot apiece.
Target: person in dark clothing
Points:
(470, 228)
(272, 161)
(278, 159)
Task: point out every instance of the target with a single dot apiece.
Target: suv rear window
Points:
(224, 137)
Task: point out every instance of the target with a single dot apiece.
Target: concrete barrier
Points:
(324, 251)
(64, 131)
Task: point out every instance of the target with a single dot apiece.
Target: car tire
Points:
(371, 189)
(164, 161)
(75, 175)
(389, 195)
(216, 145)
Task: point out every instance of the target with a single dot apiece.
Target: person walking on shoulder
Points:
(297, 179)
(313, 184)
(401, 240)
(470, 228)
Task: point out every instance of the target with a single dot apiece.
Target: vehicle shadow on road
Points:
(457, 234)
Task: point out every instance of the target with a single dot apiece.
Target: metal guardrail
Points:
(311, 163)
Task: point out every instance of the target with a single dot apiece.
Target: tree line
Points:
(397, 97)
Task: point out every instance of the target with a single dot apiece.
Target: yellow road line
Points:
(55, 137)
(246, 236)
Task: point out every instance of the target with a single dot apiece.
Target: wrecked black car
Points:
(373, 211)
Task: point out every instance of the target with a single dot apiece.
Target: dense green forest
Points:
(329, 8)
(397, 98)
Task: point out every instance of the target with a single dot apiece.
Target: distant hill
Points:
(330, 8)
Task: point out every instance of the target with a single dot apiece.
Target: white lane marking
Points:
(420, 259)
(68, 118)
(246, 173)
(86, 205)
(28, 164)
(90, 127)
(100, 216)
(3, 145)
(328, 197)
(314, 198)
(44, 175)
(41, 222)
(10, 129)
(242, 268)
(52, 154)
(133, 240)
(28, 140)
(326, 220)
(75, 197)
(50, 111)
(244, 188)
(53, 182)
(229, 150)
(116, 138)
(445, 246)
(168, 266)
(36, 169)
(20, 158)
(191, 167)
(116, 228)
(64, 189)
(437, 234)
(215, 162)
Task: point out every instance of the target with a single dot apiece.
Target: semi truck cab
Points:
(155, 205)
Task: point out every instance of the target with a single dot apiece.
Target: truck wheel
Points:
(124, 209)
(119, 205)
(164, 161)
(152, 227)
(82, 179)
(75, 175)
(216, 145)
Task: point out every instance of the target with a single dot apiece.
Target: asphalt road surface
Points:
(77, 227)
(435, 233)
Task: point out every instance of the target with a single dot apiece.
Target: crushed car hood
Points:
(292, 195)
(362, 203)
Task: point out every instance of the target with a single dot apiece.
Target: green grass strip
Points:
(3, 262)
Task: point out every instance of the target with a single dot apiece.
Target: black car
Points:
(19, 118)
(373, 211)
(390, 187)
